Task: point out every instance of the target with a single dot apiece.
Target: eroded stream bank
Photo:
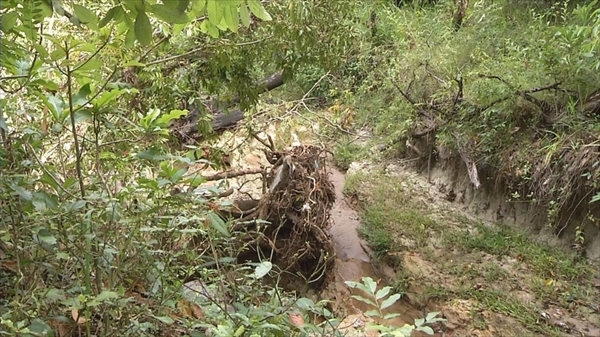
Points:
(486, 279)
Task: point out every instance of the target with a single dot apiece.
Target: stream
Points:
(353, 263)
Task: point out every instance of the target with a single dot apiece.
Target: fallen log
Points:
(186, 128)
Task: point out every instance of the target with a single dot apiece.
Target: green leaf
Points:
(305, 303)
(231, 18)
(20, 191)
(244, 16)
(109, 16)
(419, 321)
(369, 282)
(104, 296)
(91, 65)
(143, 29)
(169, 14)
(263, 269)
(54, 294)
(150, 154)
(210, 29)
(73, 206)
(46, 236)
(130, 38)
(431, 316)
(425, 329)
(391, 315)
(389, 301)
(165, 319)
(257, 9)
(80, 97)
(180, 5)
(198, 7)
(8, 21)
(57, 54)
(163, 121)
(86, 16)
(383, 292)
(364, 300)
(214, 11)
(40, 328)
(107, 96)
(217, 223)
(372, 313)
(56, 106)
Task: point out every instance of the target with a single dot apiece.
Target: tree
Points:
(87, 98)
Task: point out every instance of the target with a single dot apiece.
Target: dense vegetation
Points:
(94, 241)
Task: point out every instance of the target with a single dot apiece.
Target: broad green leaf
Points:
(244, 16)
(56, 106)
(44, 200)
(8, 21)
(57, 54)
(364, 300)
(143, 29)
(425, 329)
(3, 125)
(231, 18)
(86, 16)
(358, 285)
(383, 292)
(389, 301)
(169, 14)
(178, 174)
(369, 282)
(91, 65)
(208, 28)
(107, 96)
(109, 16)
(20, 191)
(46, 236)
(419, 321)
(217, 223)
(40, 328)
(430, 316)
(103, 297)
(73, 206)
(165, 319)
(163, 121)
(198, 7)
(150, 154)
(305, 303)
(391, 315)
(80, 97)
(83, 115)
(372, 313)
(54, 294)
(257, 9)
(180, 5)
(214, 10)
(130, 38)
(263, 269)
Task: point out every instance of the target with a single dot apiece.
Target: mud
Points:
(352, 263)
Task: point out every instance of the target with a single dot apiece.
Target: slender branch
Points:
(91, 56)
(154, 47)
(231, 174)
(13, 77)
(73, 126)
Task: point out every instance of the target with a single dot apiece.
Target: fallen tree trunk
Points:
(186, 128)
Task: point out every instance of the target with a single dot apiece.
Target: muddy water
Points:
(353, 263)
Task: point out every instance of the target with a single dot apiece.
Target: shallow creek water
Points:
(353, 263)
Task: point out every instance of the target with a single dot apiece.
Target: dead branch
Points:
(232, 174)
(469, 162)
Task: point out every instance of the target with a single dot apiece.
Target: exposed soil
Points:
(464, 281)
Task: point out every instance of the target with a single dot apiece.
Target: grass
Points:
(543, 260)
(390, 212)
